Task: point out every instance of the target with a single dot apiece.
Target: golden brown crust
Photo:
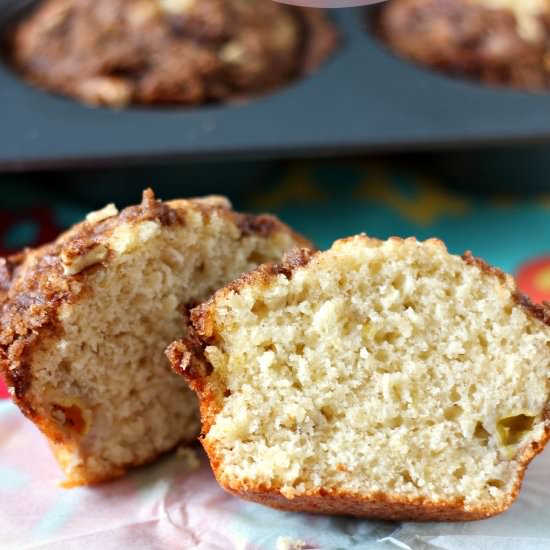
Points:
(35, 284)
(64, 459)
(188, 359)
(8, 267)
(376, 506)
(538, 311)
(484, 266)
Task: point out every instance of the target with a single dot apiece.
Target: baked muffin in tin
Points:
(500, 42)
(116, 52)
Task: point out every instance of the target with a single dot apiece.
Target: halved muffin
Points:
(85, 320)
(383, 379)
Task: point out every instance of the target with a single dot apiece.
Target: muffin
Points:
(499, 42)
(85, 321)
(116, 52)
(390, 380)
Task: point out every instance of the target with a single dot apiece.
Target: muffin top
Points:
(499, 42)
(115, 52)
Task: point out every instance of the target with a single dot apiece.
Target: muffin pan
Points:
(362, 99)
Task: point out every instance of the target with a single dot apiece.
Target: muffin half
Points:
(85, 320)
(383, 379)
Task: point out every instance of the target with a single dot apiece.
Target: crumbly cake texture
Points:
(500, 42)
(85, 321)
(195, 51)
(389, 379)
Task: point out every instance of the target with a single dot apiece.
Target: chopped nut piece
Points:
(99, 215)
(105, 90)
(177, 6)
(214, 200)
(76, 264)
(233, 52)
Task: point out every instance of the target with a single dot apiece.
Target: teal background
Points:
(324, 200)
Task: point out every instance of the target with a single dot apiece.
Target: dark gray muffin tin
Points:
(363, 99)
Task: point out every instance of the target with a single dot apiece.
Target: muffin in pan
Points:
(116, 52)
(500, 42)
